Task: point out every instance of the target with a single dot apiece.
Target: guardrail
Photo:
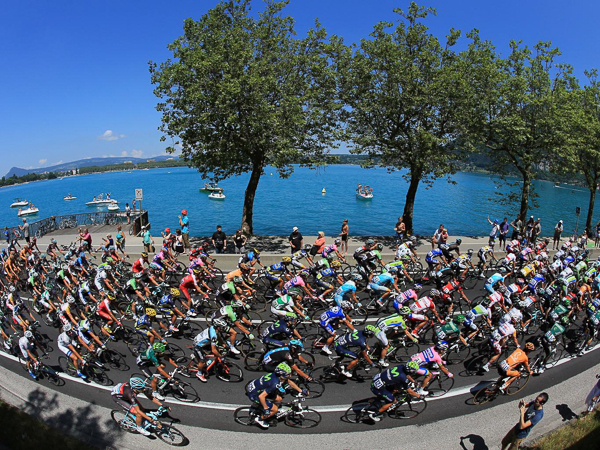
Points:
(42, 227)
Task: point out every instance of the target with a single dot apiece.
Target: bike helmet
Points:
(337, 241)
(370, 331)
(336, 264)
(459, 319)
(220, 323)
(417, 287)
(137, 383)
(404, 311)
(283, 369)
(11, 289)
(150, 312)
(144, 255)
(413, 239)
(110, 296)
(345, 304)
(28, 334)
(53, 241)
(435, 293)
(529, 346)
(351, 283)
(411, 367)
(379, 247)
(541, 291)
(370, 242)
(520, 281)
(565, 321)
(296, 344)
(286, 260)
(307, 247)
(34, 274)
(470, 252)
(67, 328)
(237, 304)
(357, 277)
(567, 302)
(458, 241)
(107, 267)
(84, 325)
(304, 274)
(442, 345)
(256, 252)
(158, 347)
(175, 292)
(330, 257)
(70, 299)
(290, 317)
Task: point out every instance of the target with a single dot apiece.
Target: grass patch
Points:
(20, 431)
(581, 434)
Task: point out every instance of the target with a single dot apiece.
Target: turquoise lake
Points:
(298, 201)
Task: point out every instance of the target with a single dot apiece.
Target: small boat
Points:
(69, 197)
(556, 185)
(211, 187)
(101, 200)
(18, 203)
(217, 195)
(28, 212)
(113, 206)
(323, 191)
(364, 192)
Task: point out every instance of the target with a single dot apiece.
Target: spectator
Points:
(184, 223)
(7, 235)
(597, 241)
(239, 242)
(437, 236)
(591, 400)
(25, 229)
(86, 240)
(147, 240)
(537, 230)
(503, 233)
(517, 225)
(133, 204)
(400, 229)
(493, 232)
(558, 229)
(531, 414)
(120, 240)
(319, 244)
(529, 230)
(296, 240)
(128, 213)
(344, 236)
(219, 240)
(178, 241)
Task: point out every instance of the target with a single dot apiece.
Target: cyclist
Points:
(462, 263)
(408, 295)
(268, 390)
(143, 326)
(229, 315)
(331, 319)
(279, 272)
(229, 291)
(495, 280)
(451, 329)
(421, 307)
(391, 325)
(66, 344)
(549, 341)
(27, 345)
(299, 284)
(407, 250)
(188, 283)
(345, 292)
(432, 262)
(251, 258)
(483, 254)
(284, 328)
(324, 275)
(287, 354)
(379, 283)
(205, 343)
(358, 339)
(284, 305)
(431, 356)
(507, 367)
(125, 395)
(329, 249)
(106, 313)
(397, 267)
(388, 383)
(152, 357)
(498, 338)
(104, 277)
(302, 253)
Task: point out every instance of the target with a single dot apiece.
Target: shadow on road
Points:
(473, 442)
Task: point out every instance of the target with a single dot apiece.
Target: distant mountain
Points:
(86, 163)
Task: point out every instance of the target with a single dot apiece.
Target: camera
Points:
(521, 403)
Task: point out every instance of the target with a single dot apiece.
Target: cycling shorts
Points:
(66, 350)
(383, 394)
(343, 351)
(324, 284)
(382, 338)
(378, 287)
(254, 399)
(104, 314)
(123, 404)
(272, 277)
(489, 288)
(278, 312)
(507, 373)
(328, 327)
(144, 366)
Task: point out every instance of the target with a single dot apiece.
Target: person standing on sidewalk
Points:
(239, 242)
(147, 240)
(184, 223)
(558, 229)
(296, 240)
(531, 414)
(219, 240)
(503, 233)
(25, 229)
(344, 236)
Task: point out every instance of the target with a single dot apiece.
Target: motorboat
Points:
(364, 192)
(30, 210)
(113, 206)
(18, 203)
(217, 195)
(69, 197)
(211, 187)
(102, 201)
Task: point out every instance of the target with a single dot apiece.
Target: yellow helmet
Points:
(151, 312)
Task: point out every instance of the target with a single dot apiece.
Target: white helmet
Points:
(351, 283)
(345, 304)
(67, 327)
(28, 334)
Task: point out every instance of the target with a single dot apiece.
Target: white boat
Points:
(113, 206)
(218, 195)
(364, 192)
(28, 212)
(69, 197)
(211, 187)
(18, 203)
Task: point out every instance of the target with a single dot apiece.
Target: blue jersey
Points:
(353, 339)
(332, 315)
(394, 376)
(433, 253)
(326, 273)
(345, 289)
(536, 280)
(278, 328)
(382, 279)
(268, 383)
(495, 278)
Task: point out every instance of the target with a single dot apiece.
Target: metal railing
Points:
(42, 227)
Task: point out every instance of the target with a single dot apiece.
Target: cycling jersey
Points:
(445, 331)
(503, 330)
(283, 303)
(275, 332)
(390, 378)
(147, 357)
(206, 338)
(422, 304)
(344, 291)
(268, 383)
(515, 359)
(278, 355)
(393, 321)
(427, 356)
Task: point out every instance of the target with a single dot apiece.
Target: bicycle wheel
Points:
(98, 375)
(405, 350)
(440, 386)
(184, 392)
(66, 365)
(326, 374)
(307, 418)
(253, 361)
(230, 373)
(315, 387)
(52, 376)
(518, 384)
(171, 435)
(409, 409)
(364, 372)
(175, 352)
(114, 360)
(556, 356)
(310, 361)
(245, 415)
(357, 412)
(124, 421)
(137, 345)
(457, 354)
(485, 395)
(189, 329)
(474, 367)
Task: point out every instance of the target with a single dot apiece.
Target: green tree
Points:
(403, 94)
(242, 92)
(517, 110)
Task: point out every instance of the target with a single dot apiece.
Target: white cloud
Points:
(124, 153)
(108, 135)
(136, 153)
(42, 161)
(57, 163)
(88, 157)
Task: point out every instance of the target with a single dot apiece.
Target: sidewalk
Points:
(482, 429)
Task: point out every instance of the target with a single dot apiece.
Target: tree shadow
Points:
(82, 422)
(565, 412)
(476, 442)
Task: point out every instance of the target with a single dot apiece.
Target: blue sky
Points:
(75, 75)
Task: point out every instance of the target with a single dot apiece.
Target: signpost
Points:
(577, 211)
(139, 196)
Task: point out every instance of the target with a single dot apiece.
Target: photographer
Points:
(530, 414)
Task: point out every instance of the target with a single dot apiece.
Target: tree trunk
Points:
(590, 214)
(415, 179)
(525, 195)
(249, 198)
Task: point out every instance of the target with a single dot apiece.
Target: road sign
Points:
(139, 195)
(577, 210)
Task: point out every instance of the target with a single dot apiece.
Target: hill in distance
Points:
(64, 167)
